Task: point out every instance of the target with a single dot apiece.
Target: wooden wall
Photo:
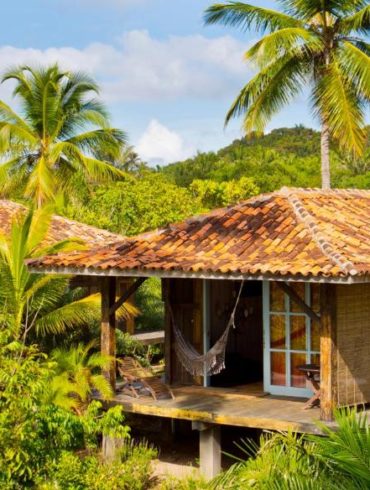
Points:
(244, 352)
(185, 297)
(353, 344)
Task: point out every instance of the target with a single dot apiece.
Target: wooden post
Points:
(209, 449)
(328, 352)
(206, 326)
(167, 330)
(197, 341)
(108, 325)
(122, 286)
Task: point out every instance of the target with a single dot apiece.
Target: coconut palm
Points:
(35, 302)
(62, 129)
(129, 161)
(319, 44)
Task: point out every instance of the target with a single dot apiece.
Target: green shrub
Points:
(88, 472)
(131, 473)
(339, 461)
(35, 432)
(186, 483)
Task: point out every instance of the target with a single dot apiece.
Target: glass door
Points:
(290, 338)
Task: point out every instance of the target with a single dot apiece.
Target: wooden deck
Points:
(244, 406)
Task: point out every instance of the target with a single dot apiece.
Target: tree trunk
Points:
(325, 156)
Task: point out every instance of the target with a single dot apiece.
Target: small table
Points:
(312, 372)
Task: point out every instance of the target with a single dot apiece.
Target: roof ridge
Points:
(311, 224)
(307, 191)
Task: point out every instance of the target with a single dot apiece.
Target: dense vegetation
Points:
(51, 429)
(150, 198)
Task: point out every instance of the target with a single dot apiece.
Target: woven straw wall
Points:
(353, 344)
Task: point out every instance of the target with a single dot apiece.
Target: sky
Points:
(166, 78)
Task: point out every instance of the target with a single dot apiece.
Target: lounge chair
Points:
(139, 380)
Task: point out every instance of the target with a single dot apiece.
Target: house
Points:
(60, 228)
(304, 257)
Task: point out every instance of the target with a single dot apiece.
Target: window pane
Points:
(297, 378)
(277, 323)
(298, 332)
(278, 376)
(299, 288)
(277, 298)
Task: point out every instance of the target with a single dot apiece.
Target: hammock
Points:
(213, 361)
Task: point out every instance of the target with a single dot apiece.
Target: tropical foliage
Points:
(78, 373)
(339, 461)
(308, 42)
(138, 204)
(37, 304)
(286, 156)
(62, 129)
(43, 444)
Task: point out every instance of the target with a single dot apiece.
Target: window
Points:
(290, 338)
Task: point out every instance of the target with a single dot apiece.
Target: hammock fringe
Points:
(213, 361)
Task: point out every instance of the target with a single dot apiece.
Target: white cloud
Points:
(140, 67)
(159, 145)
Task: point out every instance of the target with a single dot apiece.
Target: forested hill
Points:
(150, 198)
(286, 156)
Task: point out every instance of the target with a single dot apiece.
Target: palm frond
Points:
(278, 43)
(268, 91)
(356, 64)
(41, 186)
(39, 226)
(100, 170)
(244, 16)
(358, 22)
(347, 448)
(309, 9)
(335, 99)
(76, 314)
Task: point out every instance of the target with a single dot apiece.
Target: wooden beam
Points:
(298, 300)
(129, 292)
(328, 352)
(167, 330)
(108, 326)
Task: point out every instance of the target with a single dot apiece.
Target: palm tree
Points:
(129, 161)
(316, 43)
(63, 129)
(35, 302)
(77, 374)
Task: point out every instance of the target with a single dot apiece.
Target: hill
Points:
(286, 156)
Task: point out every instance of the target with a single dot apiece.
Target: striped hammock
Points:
(213, 361)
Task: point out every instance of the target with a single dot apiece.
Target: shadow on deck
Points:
(242, 406)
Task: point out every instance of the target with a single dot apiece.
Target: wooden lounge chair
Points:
(139, 380)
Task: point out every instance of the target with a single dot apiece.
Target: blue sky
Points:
(168, 80)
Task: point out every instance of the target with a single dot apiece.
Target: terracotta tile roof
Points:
(300, 233)
(60, 228)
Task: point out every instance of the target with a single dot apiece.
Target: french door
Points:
(290, 339)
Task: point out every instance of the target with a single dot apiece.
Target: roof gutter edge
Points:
(74, 271)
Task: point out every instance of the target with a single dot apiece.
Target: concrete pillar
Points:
(111, 448)
(209, 449)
